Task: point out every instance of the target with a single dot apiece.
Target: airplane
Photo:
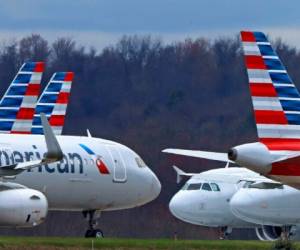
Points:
(268, 203)
(216, 198)
(276, 103)
(67, 173)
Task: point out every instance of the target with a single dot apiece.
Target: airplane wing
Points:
(199, 154)
(53, 154)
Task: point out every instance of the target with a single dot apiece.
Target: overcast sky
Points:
(99, 23)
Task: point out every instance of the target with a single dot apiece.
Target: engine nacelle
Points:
(272, 233)
(254, 156)
(22, 207)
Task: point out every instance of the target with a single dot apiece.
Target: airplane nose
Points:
(176, 206)
(239, 203)
(242, 205)
(155, 186)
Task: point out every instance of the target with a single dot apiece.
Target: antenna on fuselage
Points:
(227, 164)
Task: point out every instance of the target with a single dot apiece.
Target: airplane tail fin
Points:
(276, 101)
(53, 102)
(18, 103)
(180, 173)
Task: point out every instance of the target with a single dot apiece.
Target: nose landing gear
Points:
(92, 216)
(224, 232)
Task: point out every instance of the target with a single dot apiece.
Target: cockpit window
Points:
(184, 187)
(140, 162)
(266, 185)
(214, 187)
(247, 184)
(206, 187)
(194, 186)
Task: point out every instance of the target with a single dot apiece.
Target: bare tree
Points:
(33, 48)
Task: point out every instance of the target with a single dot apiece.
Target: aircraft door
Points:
(118, 163)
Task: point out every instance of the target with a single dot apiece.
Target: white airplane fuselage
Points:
(211, 208)
(79, 181)
(276, 206)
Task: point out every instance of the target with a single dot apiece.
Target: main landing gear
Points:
(92, 216)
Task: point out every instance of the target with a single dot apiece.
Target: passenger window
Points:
(214, 187)
(206, 187)
(194, 186)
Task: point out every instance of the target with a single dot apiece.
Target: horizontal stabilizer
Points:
(199, 154)
(294, 158)
(180, 173)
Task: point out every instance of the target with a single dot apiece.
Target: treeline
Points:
(149, 96)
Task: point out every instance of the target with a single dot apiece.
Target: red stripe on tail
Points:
(287, 169)
(281, 143)
(63, 97)
(263, 90)
(39, 67)
(247, 36)
(57, 120)
(25, 113)
(255, 62)
(69, 76)
(33, 90)
(270, 117)
(20, 132)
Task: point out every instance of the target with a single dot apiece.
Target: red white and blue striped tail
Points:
(276, 101)
(53, 103)
(18, 103)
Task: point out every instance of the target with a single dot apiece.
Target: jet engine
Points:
(271, 233)
(22, 207)
(254, 156)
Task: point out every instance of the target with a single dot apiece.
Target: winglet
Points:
(54, 152)
(180, 173)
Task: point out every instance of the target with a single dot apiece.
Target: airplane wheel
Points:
(96, 233)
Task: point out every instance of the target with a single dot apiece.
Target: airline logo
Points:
(53, 103)
(18, 104)
(275, 99)
(102, 168)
